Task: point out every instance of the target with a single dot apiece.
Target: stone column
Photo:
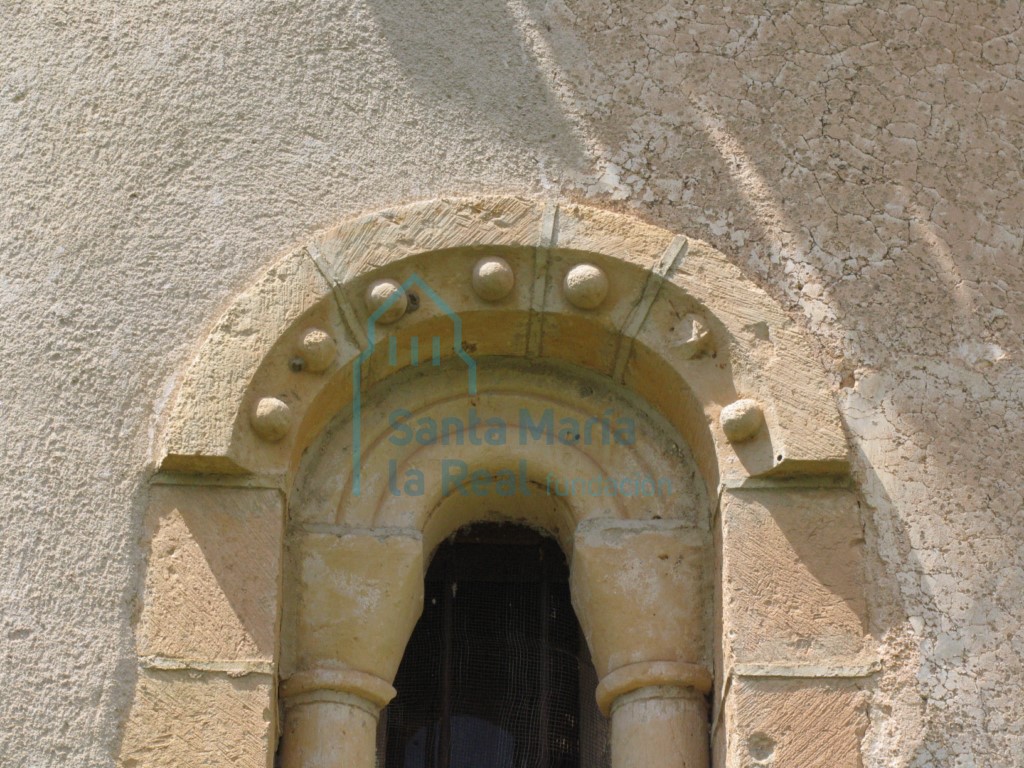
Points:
(638, 588)
(331, 718)
(659, 715)
(354, 599)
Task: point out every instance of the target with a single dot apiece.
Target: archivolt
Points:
(680, 326)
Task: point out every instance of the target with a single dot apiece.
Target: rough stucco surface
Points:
(862, 161)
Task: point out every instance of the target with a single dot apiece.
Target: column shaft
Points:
(660, 727)
(329, 730)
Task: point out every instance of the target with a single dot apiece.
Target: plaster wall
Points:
(861, 161)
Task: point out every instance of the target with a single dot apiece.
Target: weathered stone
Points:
(357, 598)
(318, 350)
(271, 418)
(792, 578)
(200, 718)
(199, 430)
(638, 591)
(692, 338)
(626, 239)
(390, 293)
(741, 420)
(805, 723)
(493, 278)
(586, 286)
(861, 162)
(770, 360)
(214, 567)
(355, 248)
(541, 320)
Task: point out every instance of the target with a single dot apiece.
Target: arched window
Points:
(312, 584)
(497, 672)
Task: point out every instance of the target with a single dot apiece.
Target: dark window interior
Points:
(496, 674)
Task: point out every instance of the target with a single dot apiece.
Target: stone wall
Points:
(861, 162)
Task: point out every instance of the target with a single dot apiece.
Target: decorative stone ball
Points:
(379, 294)
(272, 418)
(318, 350)
(741, 420)
(586, 286)
(493, 278)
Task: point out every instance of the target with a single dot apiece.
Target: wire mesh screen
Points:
(496, 674)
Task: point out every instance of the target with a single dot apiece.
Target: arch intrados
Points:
(549, 515)
(677, 404)
(676, 401)
(324, 484)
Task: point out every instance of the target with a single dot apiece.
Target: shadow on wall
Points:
(836, 171)
(901, 699)
(479, 61)
(711, 120)
(112, 713)
(793, 153)
(758, 170)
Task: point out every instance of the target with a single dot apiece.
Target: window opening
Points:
(496, 673)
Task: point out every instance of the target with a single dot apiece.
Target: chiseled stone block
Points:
(791, 589)
(212, 589)
(182, 718)
(792, 722)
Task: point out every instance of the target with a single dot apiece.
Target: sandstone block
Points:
(805, 723)
(212, 583)
(358, 599)
(791, 587)
(181, 718)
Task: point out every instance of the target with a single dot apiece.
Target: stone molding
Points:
(263, 388)
(361, 684)
(645, 674)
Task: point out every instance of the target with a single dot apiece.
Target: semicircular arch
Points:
(679, 325)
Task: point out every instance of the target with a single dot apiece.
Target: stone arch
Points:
(659, 284)
(663, 318)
